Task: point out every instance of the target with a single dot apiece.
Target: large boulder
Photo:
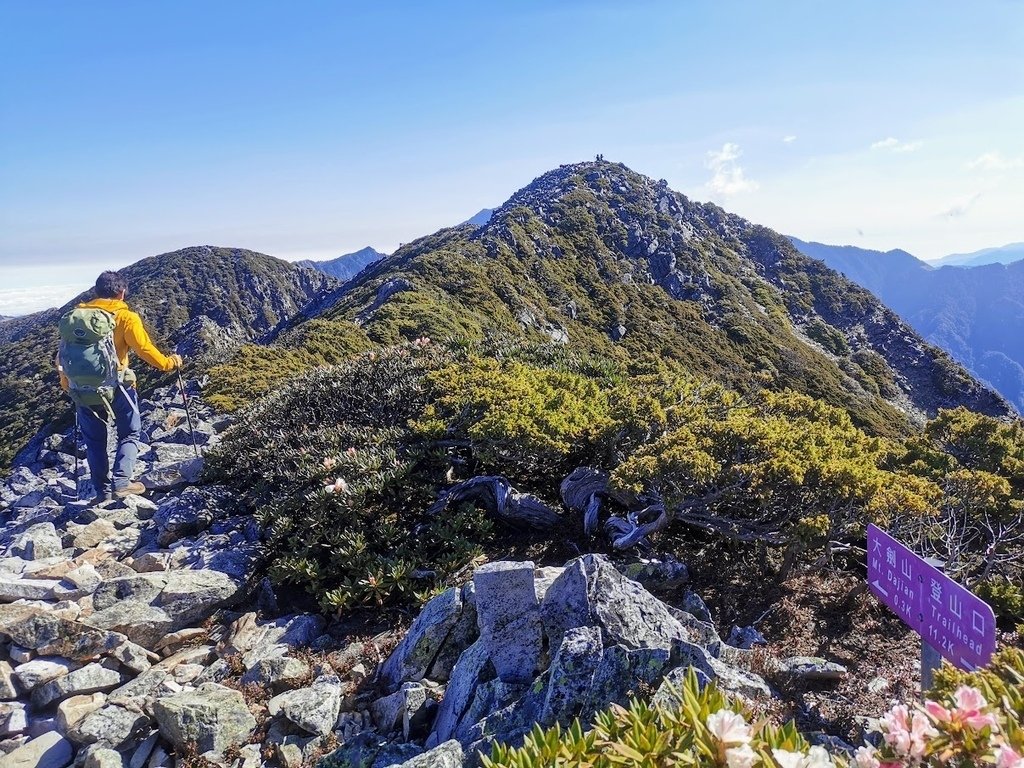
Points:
(508, 616)
(212, 718)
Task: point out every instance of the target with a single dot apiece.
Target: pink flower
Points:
(865, 757)
(329, 463)
(1007, 757)
(968, 711)
(907, 733)
(351, 453)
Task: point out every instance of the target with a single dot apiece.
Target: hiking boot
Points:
(101, 498)
(134, 488)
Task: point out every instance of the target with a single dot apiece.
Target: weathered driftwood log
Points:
(582, 490)
(499, 498)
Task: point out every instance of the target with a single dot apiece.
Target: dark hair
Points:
(109, 285)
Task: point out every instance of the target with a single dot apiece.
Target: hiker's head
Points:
(110, 285)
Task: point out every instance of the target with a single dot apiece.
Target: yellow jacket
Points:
(129, 334)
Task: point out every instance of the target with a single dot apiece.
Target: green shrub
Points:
(341, 485)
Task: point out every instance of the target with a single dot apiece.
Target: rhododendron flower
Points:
(1007, 757)
(741, 757)
(729, 727)
(969, 703)
(865, 757)
(338, 486)
(907, 733)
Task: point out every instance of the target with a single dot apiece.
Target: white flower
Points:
(729, 727)
(741, 757)
(817, 757)
(338, 486)
(787, 759)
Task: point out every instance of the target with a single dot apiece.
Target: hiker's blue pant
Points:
(129, 431)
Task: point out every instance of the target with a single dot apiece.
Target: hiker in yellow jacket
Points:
(128, 334)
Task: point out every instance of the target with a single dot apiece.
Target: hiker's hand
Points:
(176, 360)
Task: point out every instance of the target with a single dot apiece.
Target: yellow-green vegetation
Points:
(517, 419)
(392, 427)
(257, 369)
(685, 730)
(971, 719)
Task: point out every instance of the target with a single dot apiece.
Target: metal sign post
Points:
(952, 621)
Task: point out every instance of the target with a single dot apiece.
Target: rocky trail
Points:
(138, 634)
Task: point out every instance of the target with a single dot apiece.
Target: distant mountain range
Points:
(347, 266)
(976, 313)
(480, 218)
(1006, 254)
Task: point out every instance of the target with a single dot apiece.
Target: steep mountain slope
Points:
(1006, 254)
(974, 313)
(194, 300)
(347, 266)
(480, 218)
(614, 263)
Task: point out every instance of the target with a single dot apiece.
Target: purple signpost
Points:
(950, 618)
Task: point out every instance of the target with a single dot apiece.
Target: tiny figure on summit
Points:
(92, 360)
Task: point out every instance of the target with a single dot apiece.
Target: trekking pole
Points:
(188, 413)
(75, 436)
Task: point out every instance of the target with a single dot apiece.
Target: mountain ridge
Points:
(976, 313)
(657, 262)
(346, 266)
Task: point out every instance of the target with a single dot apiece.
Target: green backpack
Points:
(88, 358)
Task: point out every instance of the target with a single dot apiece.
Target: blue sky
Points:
(310, 129)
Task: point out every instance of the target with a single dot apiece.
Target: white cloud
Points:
(727, 176)
(959, 208)
(994, 161)
(22, 301)
(895, 145)
(789, 139)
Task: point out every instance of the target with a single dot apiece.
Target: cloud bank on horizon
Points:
(881, 125)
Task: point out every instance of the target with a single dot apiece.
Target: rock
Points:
(695, 606)
(139, 622)
(89, 679)
(174, 641)
(212, 717)
(13, 719)
(277, 673)
(314, 709)
(591, 592)
(94, 534)
(151, 562)
(133, 657)
(25, 589)
(141, 753)
(103, 758)
(37, 542)
(42, 670)
(174, 475)
(813, 668)
(745, 637)
(508, 617)
(85, 579)
(7, 689)
(139, 693)
(184, 674)
(664, 574)
(572, 674)
(446, 755)
(461, 687)
(20, 655)
(48, 634)
(184, 515)
(110, 726)
(72, 710)
(421, 644)
(394, 711)
(51, 750)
